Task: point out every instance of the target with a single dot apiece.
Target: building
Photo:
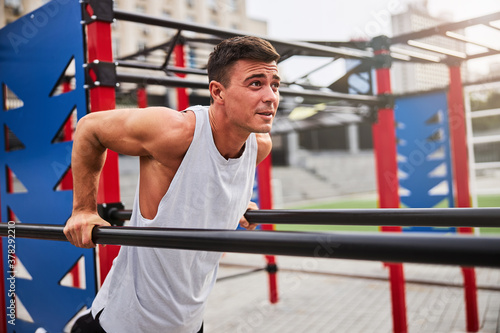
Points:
(228, 14)
(129, 39)
(407, 78)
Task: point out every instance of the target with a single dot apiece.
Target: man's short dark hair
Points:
(233, 49)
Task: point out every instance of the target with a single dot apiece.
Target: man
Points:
(196, 171)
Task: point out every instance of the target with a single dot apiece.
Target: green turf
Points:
(483, 201)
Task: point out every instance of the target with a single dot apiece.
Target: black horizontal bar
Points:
(298, 47)
(284, 91)
(408, 217)
(332, 95)
(447, 250)
(441, 29)
(425, 217)
(174, 69)
(168, 81)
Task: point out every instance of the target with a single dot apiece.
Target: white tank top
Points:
(165, 290)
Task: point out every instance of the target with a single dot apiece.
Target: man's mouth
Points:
(266, 114)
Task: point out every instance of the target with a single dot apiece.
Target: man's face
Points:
(252, 96)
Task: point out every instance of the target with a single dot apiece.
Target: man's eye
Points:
(276, 85)
(255, 84)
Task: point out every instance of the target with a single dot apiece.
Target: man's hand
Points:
(243, 221)
(78, 229)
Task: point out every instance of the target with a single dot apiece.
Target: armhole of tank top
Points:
(196, 134)
(174, 180)
(255, 144)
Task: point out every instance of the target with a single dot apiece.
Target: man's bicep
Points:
(125, 131)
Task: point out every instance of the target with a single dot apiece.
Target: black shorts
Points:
(87, 324)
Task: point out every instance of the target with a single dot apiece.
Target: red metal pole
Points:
(182, 96)
(103, 98)
(461, 178)
(266, 202)
(142, 97)
(384, 145)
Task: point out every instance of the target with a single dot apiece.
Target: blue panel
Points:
(424, 152)
(34, 52)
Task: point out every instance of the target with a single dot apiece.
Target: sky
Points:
(341, 20)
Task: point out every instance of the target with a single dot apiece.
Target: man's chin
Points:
(264, 130)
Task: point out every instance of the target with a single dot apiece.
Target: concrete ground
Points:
(332, 295)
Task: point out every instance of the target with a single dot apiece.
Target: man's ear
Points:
(217, 91)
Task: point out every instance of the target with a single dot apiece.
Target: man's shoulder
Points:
(174, 130)
(173, 119)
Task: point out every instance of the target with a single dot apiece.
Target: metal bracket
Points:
(102, 10)
(382, 60)
(381, 49)
(388, 101)
(272, 268)
(100, 74)
(372, 115)
(177, 39)
(104, 211)
(379, 43)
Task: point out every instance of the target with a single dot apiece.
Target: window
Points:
(141, 9)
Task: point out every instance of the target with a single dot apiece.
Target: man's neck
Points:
(227, 142)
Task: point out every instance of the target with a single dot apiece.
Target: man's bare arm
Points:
(155, 132)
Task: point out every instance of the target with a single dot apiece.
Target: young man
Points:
(196, 171)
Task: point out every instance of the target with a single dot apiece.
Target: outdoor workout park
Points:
(46, 282)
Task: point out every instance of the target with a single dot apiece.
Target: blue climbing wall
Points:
(424, 161)
(35, 52)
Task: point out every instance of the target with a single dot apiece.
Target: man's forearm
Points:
(87, 161)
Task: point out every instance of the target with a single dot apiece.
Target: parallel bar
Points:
(141, 65)
(435, 217)
(332, 95)
(445, 250)
(408, 217)
(312, 49)
(284, 91)
(441, 29)
(169, 81)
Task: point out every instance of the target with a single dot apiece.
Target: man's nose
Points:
(270, 95)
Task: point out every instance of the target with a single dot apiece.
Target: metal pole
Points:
(304, 48)
(142, 97)
(461, 179)
(434, 249)
(266, 202)
(103, 98)
(408, 217)
(384, 142)
(141, 65)
(182, 96)
(284, 91)
(437, 217)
